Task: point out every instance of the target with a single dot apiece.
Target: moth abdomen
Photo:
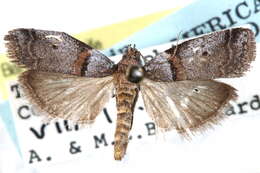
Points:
(123, 126)
(125, 101)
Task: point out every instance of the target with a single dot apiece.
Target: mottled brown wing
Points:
(186, 105)
(58, 52)
(223, 54)
(54, 95)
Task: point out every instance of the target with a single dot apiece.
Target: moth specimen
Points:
(68, 79)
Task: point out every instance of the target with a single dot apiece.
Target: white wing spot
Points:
(185, 102)
(190, 59)
(202, 87)
(195, 49)
(58, 37)
(173, 107)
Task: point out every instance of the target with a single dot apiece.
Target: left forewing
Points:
(66, 96)
(186, 105)
(56, 52)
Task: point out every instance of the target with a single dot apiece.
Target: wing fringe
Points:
(14, 50)
(36, 103)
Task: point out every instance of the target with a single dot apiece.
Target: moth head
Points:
(132, 55)
(131, 65)
(135, 73)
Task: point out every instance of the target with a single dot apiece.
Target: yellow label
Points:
(8, 72)
(106, 35)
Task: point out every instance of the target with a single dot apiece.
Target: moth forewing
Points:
(57, 52)
(223, 54)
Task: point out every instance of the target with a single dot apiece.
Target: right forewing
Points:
(66, 96)
(223, 54)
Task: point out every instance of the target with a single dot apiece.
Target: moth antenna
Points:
(178, 38)
(143, 59)
(127, 48)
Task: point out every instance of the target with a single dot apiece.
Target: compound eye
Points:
(135, 74)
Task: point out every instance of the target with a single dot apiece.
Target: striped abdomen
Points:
(126, 96)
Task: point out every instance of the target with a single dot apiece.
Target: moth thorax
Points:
(134, 73)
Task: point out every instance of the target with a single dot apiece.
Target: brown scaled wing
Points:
(57, 52)
(222, 54)
(179, 91)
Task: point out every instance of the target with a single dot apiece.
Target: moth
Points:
(65, 78)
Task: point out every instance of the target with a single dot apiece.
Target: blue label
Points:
(198, 18)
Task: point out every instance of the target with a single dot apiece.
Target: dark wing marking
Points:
(186, 105)
(222, 54)
(57, 95)
(56, 52)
